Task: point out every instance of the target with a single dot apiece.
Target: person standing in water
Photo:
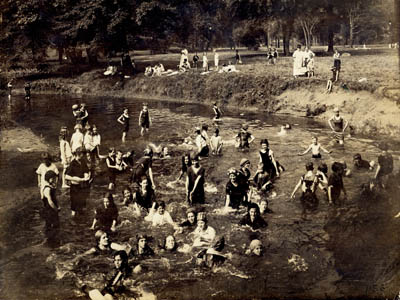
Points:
(44, 167)
(315, 147)
(195, 183)
(144, 119)
(216, 143)
(267, 158)
(217, 111)
(50, 204)
(244, 138)
(338, 125)
(65, 154)
(124, 120)
(79, 175)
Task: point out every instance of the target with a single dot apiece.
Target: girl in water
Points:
(104, 246)
(271, 166)
(216, 143)
(46, 165)
(338, 125)
(65, 154)
(106, 215)
(253, 218)
(144, 197)
(315, 147)
(169, 244)
(195, 183)
(217, 112)
(203, 235)
(77, 138)
(255, 248)
(124, 120)
(308, 183)
(159, 216)
(144, 119)
(115, 166)
(190, 222)
(186, 164)
(244, 138)
(235, 193)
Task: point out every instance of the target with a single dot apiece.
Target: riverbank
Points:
(368, 97)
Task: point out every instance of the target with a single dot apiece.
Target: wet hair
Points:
(98, 235)
(315, 137)
(127, 188)
(309, 166)
(357, 156)
(337, 167)
(255, 206)
(185, 166)
(323, 168)
(164, 244)
(216, 131)
(46, 158)
(264, 141)
(49, 175)
(160, 204)
(124, 258)
(111, 149)
(204, 127)
(195, 158)
(110, 198)
(78, 150)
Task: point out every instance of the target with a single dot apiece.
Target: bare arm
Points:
(323, 149)
(296, 188)
(378, 169)
(228, 200)
(306, 151)
(120, 120)
(252, 138)
(47, 194)
(140, 116)
(151, 178)
(346, 123)
(330, 123)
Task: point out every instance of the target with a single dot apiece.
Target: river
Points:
(340, 252)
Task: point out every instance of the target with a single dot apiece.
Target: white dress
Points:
(298, 68)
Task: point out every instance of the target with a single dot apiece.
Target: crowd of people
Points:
(81, 155)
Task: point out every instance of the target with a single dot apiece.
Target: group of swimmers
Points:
(80, 157)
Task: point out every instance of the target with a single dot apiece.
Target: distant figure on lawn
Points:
(299, 69)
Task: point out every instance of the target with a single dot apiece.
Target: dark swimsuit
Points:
(308, 198)
(144, 119)
(125, 119)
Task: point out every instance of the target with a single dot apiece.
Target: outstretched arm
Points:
(306, 151)
(295, 189)
(120, 120)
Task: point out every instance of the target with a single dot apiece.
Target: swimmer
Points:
(308, 183)
(84, 116)
(143, 168)
(244, 138)
(284, 129)
(106, 215)
(315, 148)
(195, 183)
(217, 112)
(51, 207)
(159, 216)
(115, 165)
(235, 193)
(77, 138)
(216, 143)
(335, 185)
(362, 164)
(44, 167)
(385, 165)
(124, 120)
(144, 119)
(264, 209)
(201, 143)
(255, 248)
(104, 246)
(115, 284)
(253, 218)
(144, 197)
(271, 166)
(169, 244)
(204, 234)
(127, 157)
(186, 164)
(338, 125)
(190, 222)
(142, 249)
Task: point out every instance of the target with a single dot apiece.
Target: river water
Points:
(340, 252)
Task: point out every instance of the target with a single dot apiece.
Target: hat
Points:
(78, 126)
(336, 109)
(244, 161)
(75, 106)
(232, 171)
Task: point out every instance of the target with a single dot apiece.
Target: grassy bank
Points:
(371, 105)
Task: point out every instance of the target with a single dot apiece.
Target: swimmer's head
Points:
(94, 128)
(216, 131)
(245, 126)
(83, 105)
(170, 243)
(256, 247)
(245, 162)
(127, 192)
(195, 160)
(78, 152)
(263, 206)
(336, 111)
(46, 158)
(75, 107)
(120, 259)
(309, 166)
(264, 143)
(108, 199)
(323, 168)
(101, 237)
(204, 127)
(125, 110)
(78, 127)
(253, 210)
(288, 126)
(111, 151)
(160, 207)
(148, 152)
(315, 139)
(197, 130)
(202, 220)
(141, 241)
(191, 215)
(232, 173)
(50, 176)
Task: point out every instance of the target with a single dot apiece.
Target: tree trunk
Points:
(330, 27)
(351, 29)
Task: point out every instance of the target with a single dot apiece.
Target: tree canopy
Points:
(29, 27)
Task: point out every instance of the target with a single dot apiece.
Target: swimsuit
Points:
(144, 119)
(125, 119)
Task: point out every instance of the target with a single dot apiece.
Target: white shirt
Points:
(89, 142)
(76, 141)
(159, 220)
(200, 142)
(96, 140)
(42, 170)
(204, 238)
(66, 154)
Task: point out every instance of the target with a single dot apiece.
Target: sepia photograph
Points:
(199, 149)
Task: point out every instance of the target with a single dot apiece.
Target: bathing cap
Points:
(75, 106)
(244, 161)
(336, 109)
(245, 126)
(254, 244)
